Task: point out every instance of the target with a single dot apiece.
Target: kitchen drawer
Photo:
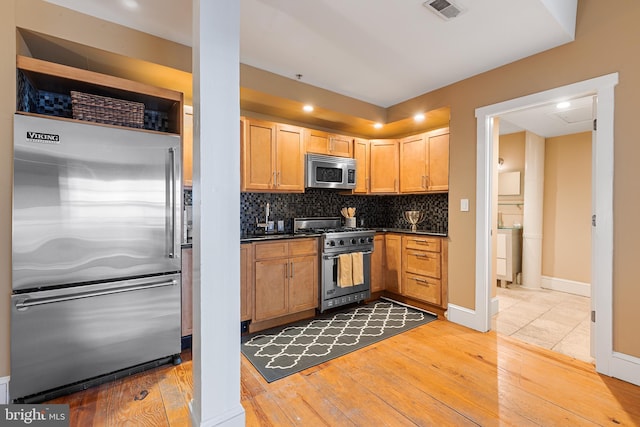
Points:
(271, 250)
(423, 288)
(422, 262)
(422, 243)
(303, 247)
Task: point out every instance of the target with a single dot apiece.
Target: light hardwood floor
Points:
(439, 374)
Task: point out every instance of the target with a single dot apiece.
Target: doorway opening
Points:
(602, 209)
(543, 203)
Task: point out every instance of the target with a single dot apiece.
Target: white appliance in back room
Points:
(96, 255)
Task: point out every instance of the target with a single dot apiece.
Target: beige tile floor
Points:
(555, 320)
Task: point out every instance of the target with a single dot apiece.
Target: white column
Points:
(533, 204)
(216, 219)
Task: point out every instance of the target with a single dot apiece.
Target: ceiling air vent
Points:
(445, 9)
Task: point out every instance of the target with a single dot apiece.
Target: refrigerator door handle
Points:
(172, 201)
(24, 304)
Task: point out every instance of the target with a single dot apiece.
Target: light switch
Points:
(464, 205)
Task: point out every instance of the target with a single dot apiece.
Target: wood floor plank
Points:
(136, 398)
(547, 376)
(173, 397)
(416, 402)
(436, 374)
(480, 370)
(306, 405)
(358, 404)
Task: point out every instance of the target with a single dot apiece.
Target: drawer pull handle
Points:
(420, 241)
(420, 280)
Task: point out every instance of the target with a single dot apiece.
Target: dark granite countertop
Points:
(438, 233)
(251, 238)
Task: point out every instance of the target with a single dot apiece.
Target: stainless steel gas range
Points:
(337, 241)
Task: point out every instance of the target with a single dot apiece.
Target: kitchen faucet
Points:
(264, 224)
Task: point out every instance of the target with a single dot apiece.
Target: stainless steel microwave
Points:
(330, 172)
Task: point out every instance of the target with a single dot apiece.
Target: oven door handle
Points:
(337, 256)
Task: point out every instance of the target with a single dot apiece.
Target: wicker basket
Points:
(102, 109)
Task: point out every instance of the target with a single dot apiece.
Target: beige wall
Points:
(606, 39)
(566, 242)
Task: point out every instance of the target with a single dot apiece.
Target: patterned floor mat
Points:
(282, 351)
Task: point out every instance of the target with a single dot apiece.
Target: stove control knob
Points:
(341, 242)
(362, 240)
(332, 243)
(353, 241)
(370, 240)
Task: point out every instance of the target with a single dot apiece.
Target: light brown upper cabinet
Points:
(424, 162)
(320, 142)
(384, 167)
(272, 157)
(363, 159)
(187, 146)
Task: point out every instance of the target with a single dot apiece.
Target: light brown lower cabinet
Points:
(393, 263)
(377, 264)
(187, 291)
(246, 281)
(285, 278)
(415, 270)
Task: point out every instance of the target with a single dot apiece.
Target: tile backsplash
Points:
(371, 211)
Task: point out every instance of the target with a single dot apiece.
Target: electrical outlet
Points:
(464, 205)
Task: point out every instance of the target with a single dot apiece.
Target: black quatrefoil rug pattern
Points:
(282, 351)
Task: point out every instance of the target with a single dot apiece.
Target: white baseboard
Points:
(465, 317)
(234, 417)
(495, 306)
(4, 390)
(568, 286)
(625, 367)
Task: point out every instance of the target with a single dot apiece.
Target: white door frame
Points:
(602, 193)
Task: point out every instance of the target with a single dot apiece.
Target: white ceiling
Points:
(378, 51)
(550, 120)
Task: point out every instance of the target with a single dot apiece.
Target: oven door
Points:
(332, 295)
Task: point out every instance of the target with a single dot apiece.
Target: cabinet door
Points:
(303, 283)
(340, 145)
(290, 159)
(187, 147)
(271, 289)
(361, 154)
(299, 247)
(246, 279)
(413, 164)
(187, 292)
(377, 264)
(258, 160)
(438, 179)
(316, 141)
(384, 166)
(422, 263)
(393, 263)
(423, 288)
(422, 243)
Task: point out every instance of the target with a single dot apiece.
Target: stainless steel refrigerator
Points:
(96, 253)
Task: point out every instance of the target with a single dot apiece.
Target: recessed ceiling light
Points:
(308, 108)
(563, 105)
(377, 125)
(131, 4)
(418, 117)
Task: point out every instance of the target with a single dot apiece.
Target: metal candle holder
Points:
(414, 218)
